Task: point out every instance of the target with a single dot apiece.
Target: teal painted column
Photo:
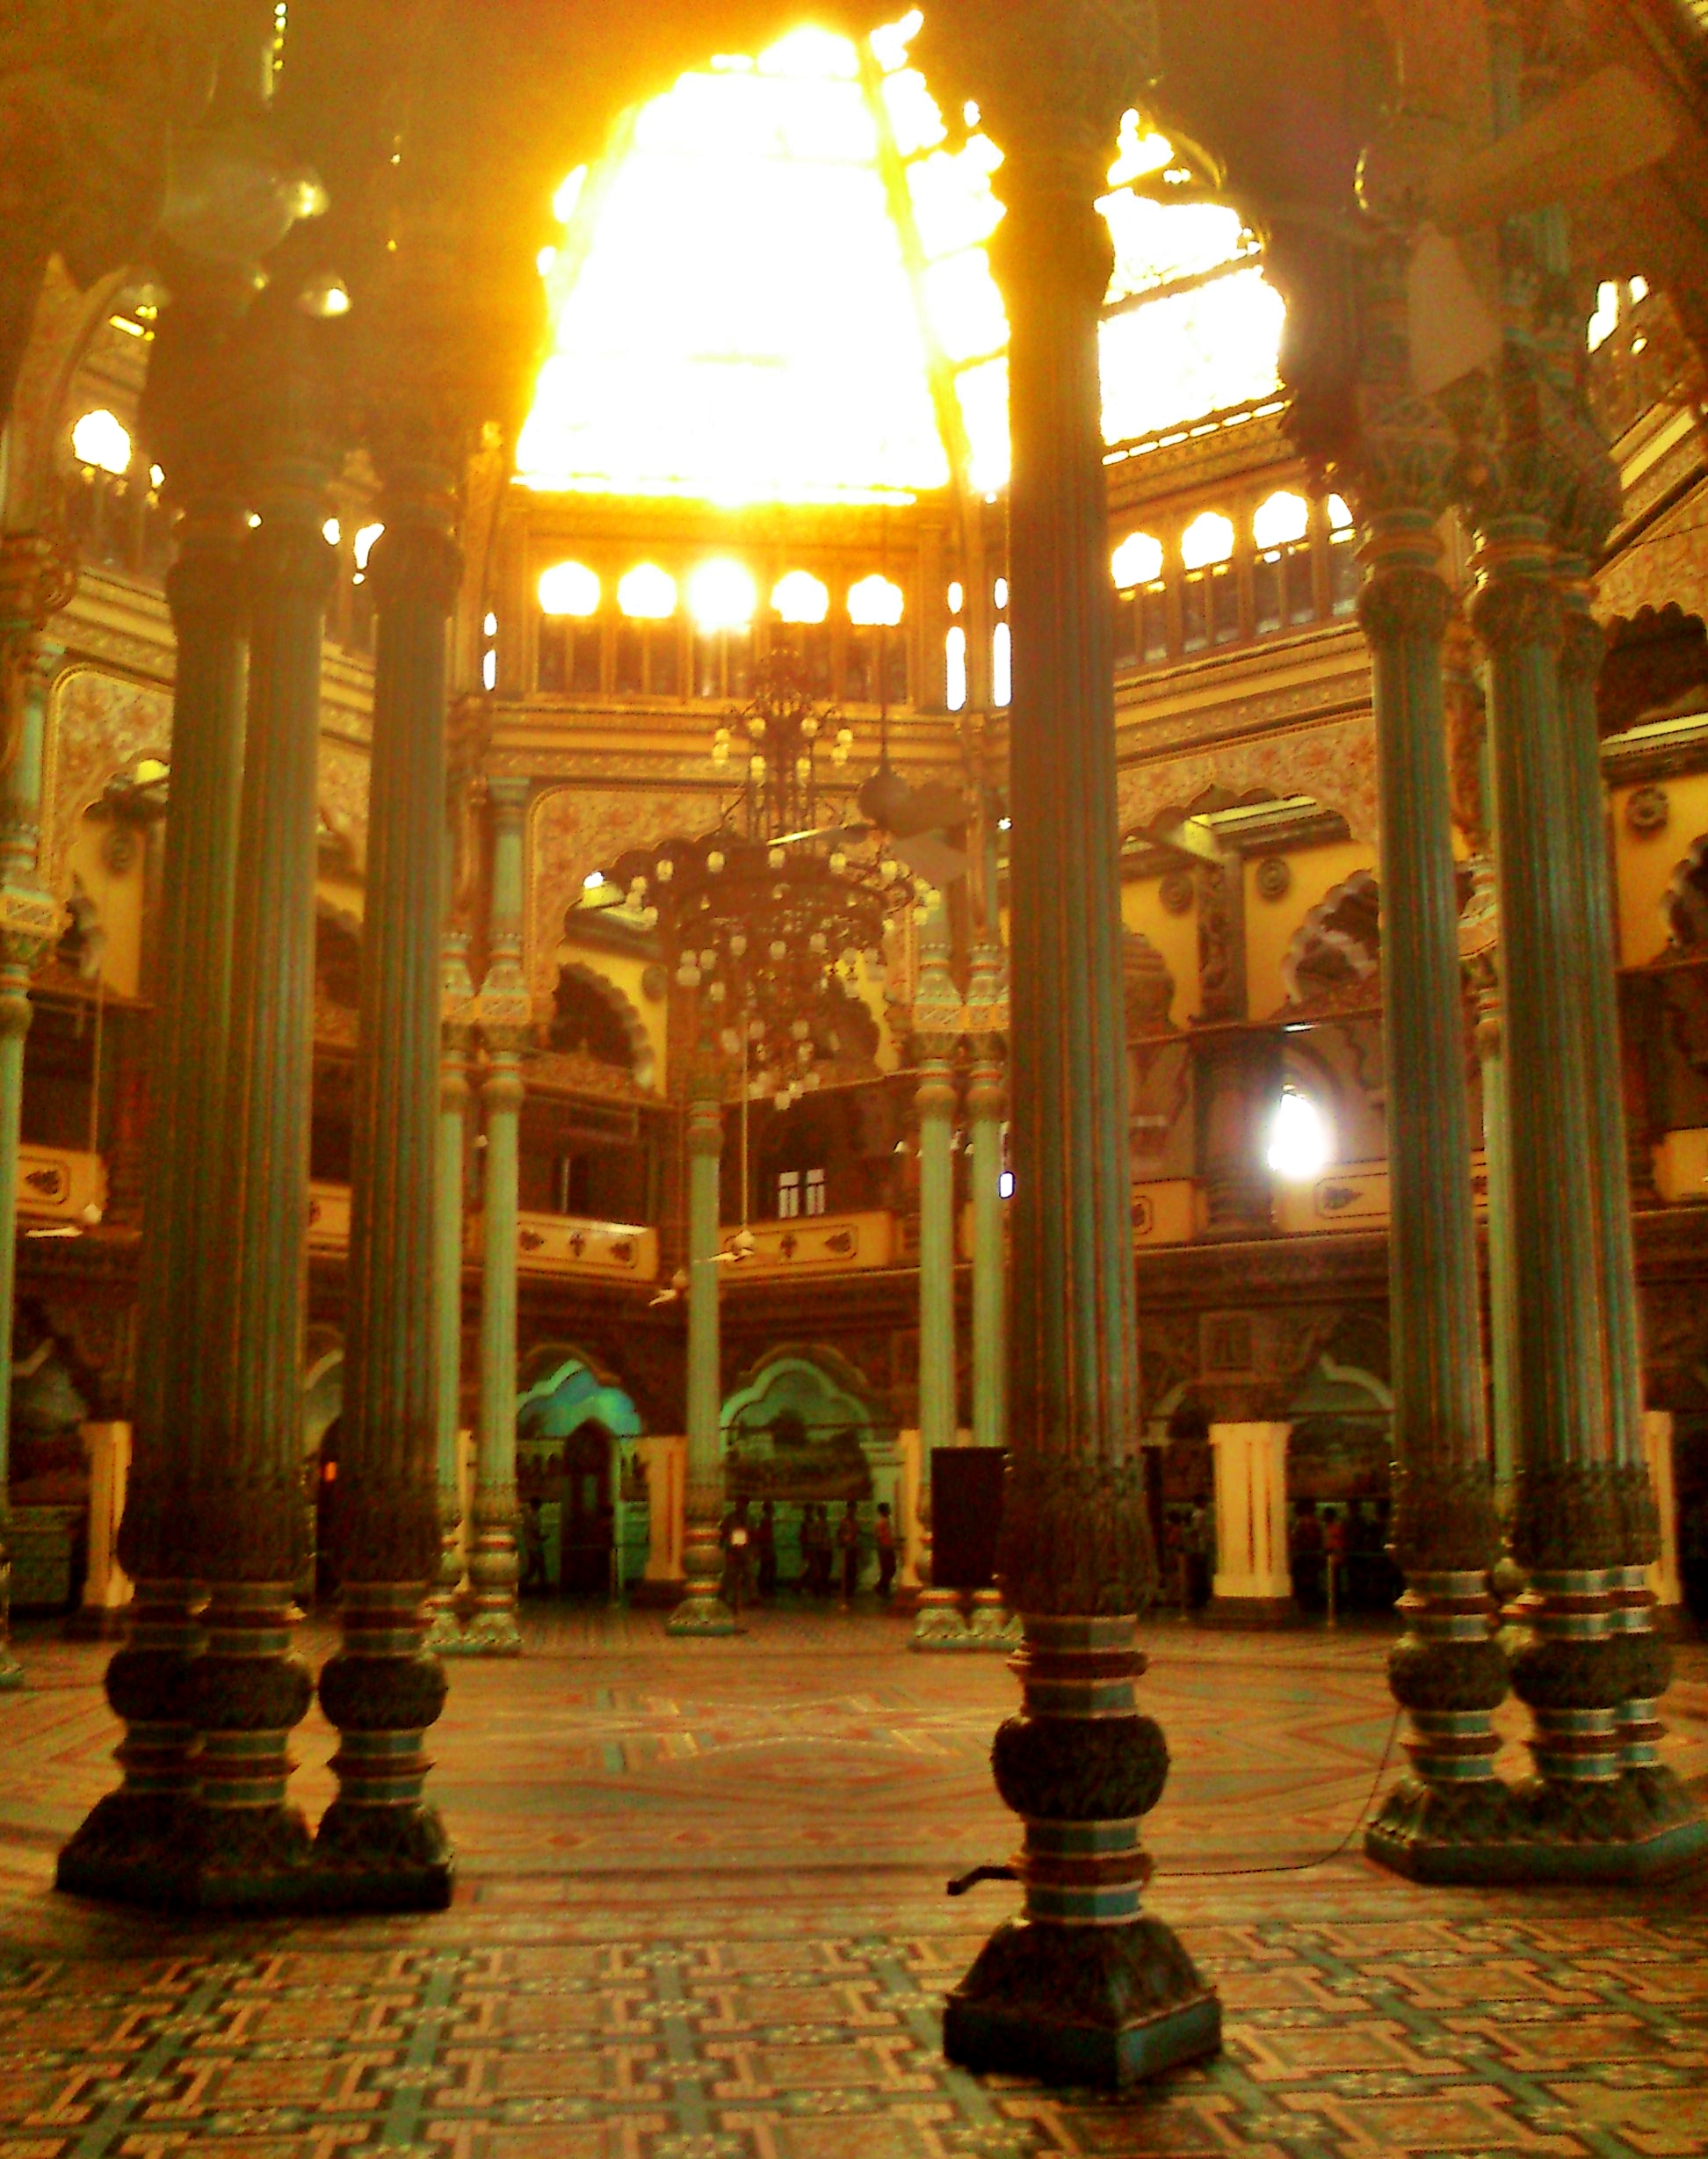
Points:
(703, 1610)
(1446, 1669)
(984, 1118)
(381, 1844)
(1645, 1656)
(28, 924)
(506, 1024)
(1568, 1528)
(1502, 1260)
(249, 1686)
(140, 1842)
(936, 1020)
(444, 1630)
(1085, 1988)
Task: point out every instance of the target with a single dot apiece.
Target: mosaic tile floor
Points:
(700, 1917)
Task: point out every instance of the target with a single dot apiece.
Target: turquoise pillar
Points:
(444, 1631)
(249, 1687)
(381, 1844)
(1085, 1988)
(703, 1610)
(938, 1624)
(1446, 1668)
(506, 1024)
(28, 925)
(140, 1843)
(991, 1625)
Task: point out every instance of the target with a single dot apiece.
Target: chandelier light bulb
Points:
(779, 950)
(889, 869)
(798, 1029)
(845, 738)
(708, 960)
(777, 858)
(809, 726)
(714, 861)
(649, 917)
(738, 943)
(666, 869)
(921, 913)
(756, 1030)
(716, 993)
(874, 960)
(851, 955)
(838, 862)
(756, 725)
(804, 1052)
(756, 765)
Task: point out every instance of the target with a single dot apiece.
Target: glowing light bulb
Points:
(1300, 1144)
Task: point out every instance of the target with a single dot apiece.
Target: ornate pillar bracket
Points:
(703, 1610)
(1085, 1988)
(504, 1014)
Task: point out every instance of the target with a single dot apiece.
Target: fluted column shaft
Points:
(703, 1610)
(135, 1838)
(1646, 1655)
(984, 1118)
(28, 921)
(444, 1631)
(1057, 1993)
(1446, 1668)
(250, 1689)
(506, 1022)
(379, 1842)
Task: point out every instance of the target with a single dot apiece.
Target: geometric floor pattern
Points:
(700, 1916)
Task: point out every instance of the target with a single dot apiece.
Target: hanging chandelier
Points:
(780, 914)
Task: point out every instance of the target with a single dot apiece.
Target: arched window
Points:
(1281, 594)
(648, 650)
(875, 662)
(801, 603)
(723, 600)
(1141, 602)
(570, 635)
(1210, 611)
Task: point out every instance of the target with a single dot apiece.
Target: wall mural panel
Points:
(98, 726)
(343, 794)
(576, 829)
(1334, 763)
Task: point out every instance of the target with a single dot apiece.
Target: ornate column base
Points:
(1452, 1818)
(1084, 1990)
(990, 1625)
(491, 1629)
(137, 1845)
(938, 1623)
(250, 1688)
(702, 1610)
(11, 1672)
(444, 1628)
(380, 1847)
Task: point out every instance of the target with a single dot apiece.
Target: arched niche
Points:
(1335, 955)
(805, 1427)
(573, 1423)
(592, 1018)
(1686, 902)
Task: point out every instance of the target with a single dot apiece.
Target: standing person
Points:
(736, 1537)
(848, 1543)
(764, 1549)
(884, 1537)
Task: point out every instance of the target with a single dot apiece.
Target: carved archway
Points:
(627, 1028)
(1335, 955)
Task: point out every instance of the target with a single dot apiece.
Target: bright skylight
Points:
(777, 260)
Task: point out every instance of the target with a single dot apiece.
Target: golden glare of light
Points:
(331, 532)
(1281, 520)
(1208, 538)
(1137, 561)
(722, 595)
(800, 597)
(1340, 518)
(1179, 358)
(889, 42)
(362, 546)
(954, 656)
(569, 589)
(875, 603)
(647, 594)
(567, 198)
(101, 439)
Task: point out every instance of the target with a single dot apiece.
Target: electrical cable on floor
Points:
(962, 1883)
(1296, 1866)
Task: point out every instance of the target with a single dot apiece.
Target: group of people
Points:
(832, 1554)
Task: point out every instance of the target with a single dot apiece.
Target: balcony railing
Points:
(817, 1244)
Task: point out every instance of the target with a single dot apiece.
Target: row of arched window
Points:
(698, 637)
(1213, 581)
